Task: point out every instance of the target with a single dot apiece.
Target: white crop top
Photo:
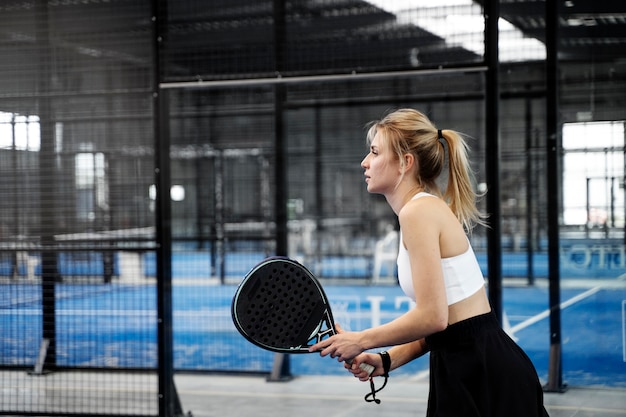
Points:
(461, 273)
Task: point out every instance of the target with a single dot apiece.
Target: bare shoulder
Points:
(429, 221)
(424, 209)
(424, 215)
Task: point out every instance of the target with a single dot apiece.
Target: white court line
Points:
(563, 305)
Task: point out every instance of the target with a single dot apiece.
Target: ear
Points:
(409, 162)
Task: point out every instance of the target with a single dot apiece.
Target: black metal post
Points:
(492, 155)
(318, 180)
(169, 403)
(47, 194)
(553, 145)
(220, 233)
(281, 369)
(528, 117)
(280, 164)
(280, 172)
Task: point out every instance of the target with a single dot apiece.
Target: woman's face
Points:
(382, 169)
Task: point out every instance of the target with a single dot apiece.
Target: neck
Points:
(401, 196)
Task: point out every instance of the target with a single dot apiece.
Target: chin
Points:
(372, 190)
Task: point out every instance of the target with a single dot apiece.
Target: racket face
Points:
(280, 306)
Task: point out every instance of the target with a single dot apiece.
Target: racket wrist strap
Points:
(386, 359)
(384, 355)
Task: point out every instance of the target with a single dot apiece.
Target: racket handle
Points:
(367, 367)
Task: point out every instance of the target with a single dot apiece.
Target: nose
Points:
(364, 162)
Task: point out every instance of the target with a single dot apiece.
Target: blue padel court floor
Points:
(102, 325)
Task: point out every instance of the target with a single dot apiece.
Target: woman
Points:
(475, 368)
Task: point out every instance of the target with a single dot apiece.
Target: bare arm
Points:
(403, 354)
(421, 222)
(400, 355)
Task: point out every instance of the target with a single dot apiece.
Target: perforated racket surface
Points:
(280, 306)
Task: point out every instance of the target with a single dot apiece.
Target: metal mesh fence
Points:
(76, 222)
(241, 87)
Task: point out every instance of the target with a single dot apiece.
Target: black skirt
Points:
(477, 370)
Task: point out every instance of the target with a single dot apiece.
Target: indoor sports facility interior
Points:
(153, 151)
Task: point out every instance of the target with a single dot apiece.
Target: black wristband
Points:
(386, 362)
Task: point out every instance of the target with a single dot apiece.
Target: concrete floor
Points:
(335, 396)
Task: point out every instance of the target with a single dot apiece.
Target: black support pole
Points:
(528, 128)
(492, 155)
(281, 370)
(47, 193)
(553, 145)
(319, 195)
(169, 403)
(280, 164)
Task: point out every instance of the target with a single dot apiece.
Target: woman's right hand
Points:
(373, 359)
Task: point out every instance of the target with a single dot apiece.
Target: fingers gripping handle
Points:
(366, 367)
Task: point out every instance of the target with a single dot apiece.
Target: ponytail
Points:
(459, 191)
(409, 131)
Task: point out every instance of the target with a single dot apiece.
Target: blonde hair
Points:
(407, 131)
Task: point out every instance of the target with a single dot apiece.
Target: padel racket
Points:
(280, 306)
